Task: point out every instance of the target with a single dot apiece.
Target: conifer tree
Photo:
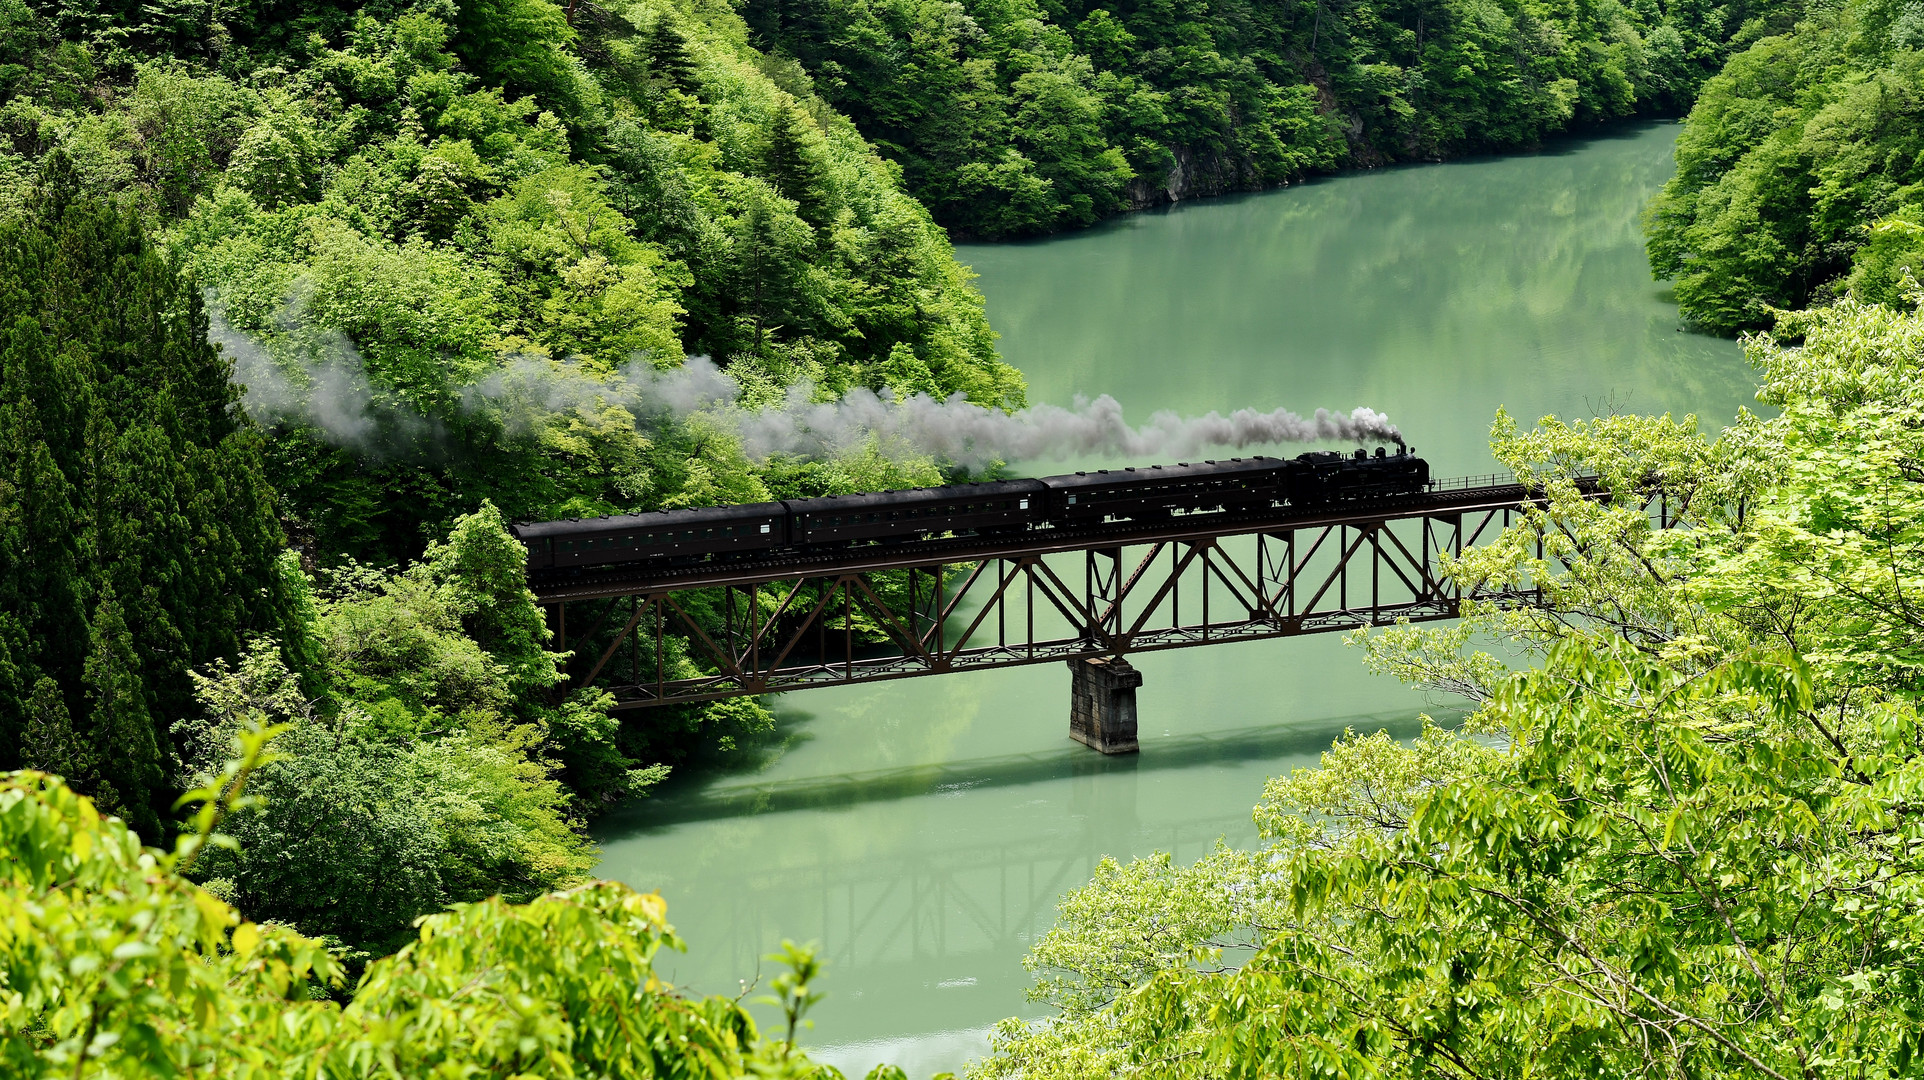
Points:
(137, 533)
(792, 168)
(668, 57)
(52, 745)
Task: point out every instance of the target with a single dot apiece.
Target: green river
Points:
(922, 831)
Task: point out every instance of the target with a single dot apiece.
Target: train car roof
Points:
(1148, 474)
(656, 519)
(916, 496)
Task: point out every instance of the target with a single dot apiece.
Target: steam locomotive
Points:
(1148, 493)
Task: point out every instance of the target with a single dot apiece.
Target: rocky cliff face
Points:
(1194, 175)
(1199, 174)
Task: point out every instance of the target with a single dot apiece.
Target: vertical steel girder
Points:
(796, 632)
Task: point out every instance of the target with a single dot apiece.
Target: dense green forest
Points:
(304, 303)
(1799, 171)
(393, 202)
(1011, 117)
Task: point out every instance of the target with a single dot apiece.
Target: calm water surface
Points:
(923, 831)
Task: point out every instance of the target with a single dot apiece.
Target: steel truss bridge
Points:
(792, 620)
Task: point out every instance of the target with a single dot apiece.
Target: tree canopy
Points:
(1012, 117)
(138, 537)
(117, 965)
(415, 220)
(1798, 172)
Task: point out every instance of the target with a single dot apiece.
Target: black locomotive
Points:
(1149, 493)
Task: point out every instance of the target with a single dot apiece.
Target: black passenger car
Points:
(917, 512)
(709, 531)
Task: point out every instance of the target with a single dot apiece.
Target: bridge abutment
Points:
(1102, 704)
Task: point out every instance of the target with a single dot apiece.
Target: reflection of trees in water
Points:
(1423, 290)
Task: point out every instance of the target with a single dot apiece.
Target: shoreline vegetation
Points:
(297, 306)
(1023, 117)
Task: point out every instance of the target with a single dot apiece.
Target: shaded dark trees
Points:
(137, 536)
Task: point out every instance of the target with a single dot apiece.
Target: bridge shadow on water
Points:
(707, 793)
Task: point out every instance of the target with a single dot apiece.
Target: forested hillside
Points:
(1799, 171)
(434, 247)
(1011, 117)
(426, 192)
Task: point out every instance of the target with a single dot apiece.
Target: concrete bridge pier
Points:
(1102, 704)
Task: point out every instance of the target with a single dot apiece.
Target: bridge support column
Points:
(1102, 704)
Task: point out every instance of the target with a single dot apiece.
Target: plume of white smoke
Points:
(954, 429)
(319, 380)
(322, 383)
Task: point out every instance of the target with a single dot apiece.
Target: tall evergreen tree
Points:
(792, 168)
(137, 534)
(668, 57)
(52, 745)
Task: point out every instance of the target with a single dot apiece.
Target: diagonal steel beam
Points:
(616, 643)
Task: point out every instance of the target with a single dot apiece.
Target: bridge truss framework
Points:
(1043, 596)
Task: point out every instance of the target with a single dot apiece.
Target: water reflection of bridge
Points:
(904, 923)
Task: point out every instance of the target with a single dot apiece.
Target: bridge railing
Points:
(1491, 480)
(1462, 483)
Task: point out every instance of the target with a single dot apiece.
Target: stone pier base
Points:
(1102, 704)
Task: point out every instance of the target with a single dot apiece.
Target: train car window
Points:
(764, 528)
(708, 534)
(1022, 504)
(1072, 500)
(874, 518)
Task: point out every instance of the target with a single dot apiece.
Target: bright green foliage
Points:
(111, 957)
(137, 532)
(398, 204)
(114, 964)
(1013, 116)
(1685, 843)
(437, 763)
(1798, 172)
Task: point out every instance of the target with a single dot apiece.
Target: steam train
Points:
(1148, 493)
